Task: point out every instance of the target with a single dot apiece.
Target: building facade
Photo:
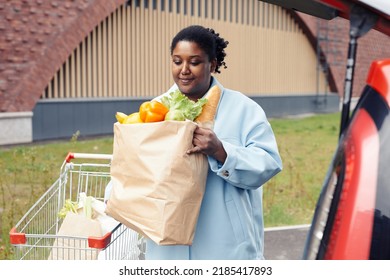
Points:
(68, 66)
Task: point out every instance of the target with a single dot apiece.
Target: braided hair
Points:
(207, 39)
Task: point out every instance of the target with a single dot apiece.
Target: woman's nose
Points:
(185, 69)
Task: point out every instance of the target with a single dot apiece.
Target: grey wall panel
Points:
(283, 106)
(61, 119)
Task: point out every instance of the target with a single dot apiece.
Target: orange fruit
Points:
(152, 111)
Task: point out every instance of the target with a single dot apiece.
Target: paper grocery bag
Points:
(157, 188)
(71, 242)
(68, 245)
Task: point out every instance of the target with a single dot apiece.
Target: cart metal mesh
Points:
(35, 236)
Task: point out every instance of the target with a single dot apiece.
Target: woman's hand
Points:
(205, 141)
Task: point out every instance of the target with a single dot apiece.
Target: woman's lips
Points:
(186, 81)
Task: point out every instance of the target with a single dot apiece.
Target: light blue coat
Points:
(230, 223)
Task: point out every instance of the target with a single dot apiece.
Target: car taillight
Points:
(350, 235)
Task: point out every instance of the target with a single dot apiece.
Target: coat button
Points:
(225, 173)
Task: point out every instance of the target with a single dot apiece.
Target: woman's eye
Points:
(177, 62)
(195, 63)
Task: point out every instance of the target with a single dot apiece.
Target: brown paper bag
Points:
(157, 188)
(71, 241)
(68, 245)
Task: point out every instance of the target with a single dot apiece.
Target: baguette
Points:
(210, 108)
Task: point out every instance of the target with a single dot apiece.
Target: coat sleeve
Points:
(252, 152)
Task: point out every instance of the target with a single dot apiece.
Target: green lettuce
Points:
(176, 101)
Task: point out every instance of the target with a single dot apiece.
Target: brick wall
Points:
(372, 46)
(37, 37)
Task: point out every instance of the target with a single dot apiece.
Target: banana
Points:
(120, 117)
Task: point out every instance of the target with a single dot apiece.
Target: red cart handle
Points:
(71, 156)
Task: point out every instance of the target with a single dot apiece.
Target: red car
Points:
(352, 216)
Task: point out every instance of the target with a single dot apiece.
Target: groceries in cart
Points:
(83, 218)
(92, 209)
(68, 222)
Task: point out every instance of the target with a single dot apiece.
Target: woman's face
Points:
(191, 69)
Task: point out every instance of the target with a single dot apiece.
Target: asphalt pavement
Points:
(285, 243)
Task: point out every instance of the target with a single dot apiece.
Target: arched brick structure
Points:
(371, 46)
(307, 23)
(38, 37)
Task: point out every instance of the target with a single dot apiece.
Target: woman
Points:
(242, 154)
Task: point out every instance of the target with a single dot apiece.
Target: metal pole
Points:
(348, 84)
(361, 21)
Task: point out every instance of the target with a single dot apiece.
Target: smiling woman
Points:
(241, 150)
(193, 63)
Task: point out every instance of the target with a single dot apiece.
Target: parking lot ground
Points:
(285, 243)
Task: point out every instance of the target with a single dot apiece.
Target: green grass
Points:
(306, 146)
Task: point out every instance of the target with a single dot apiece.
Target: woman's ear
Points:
(213, 65)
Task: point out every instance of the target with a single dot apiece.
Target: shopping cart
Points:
(35, 236)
